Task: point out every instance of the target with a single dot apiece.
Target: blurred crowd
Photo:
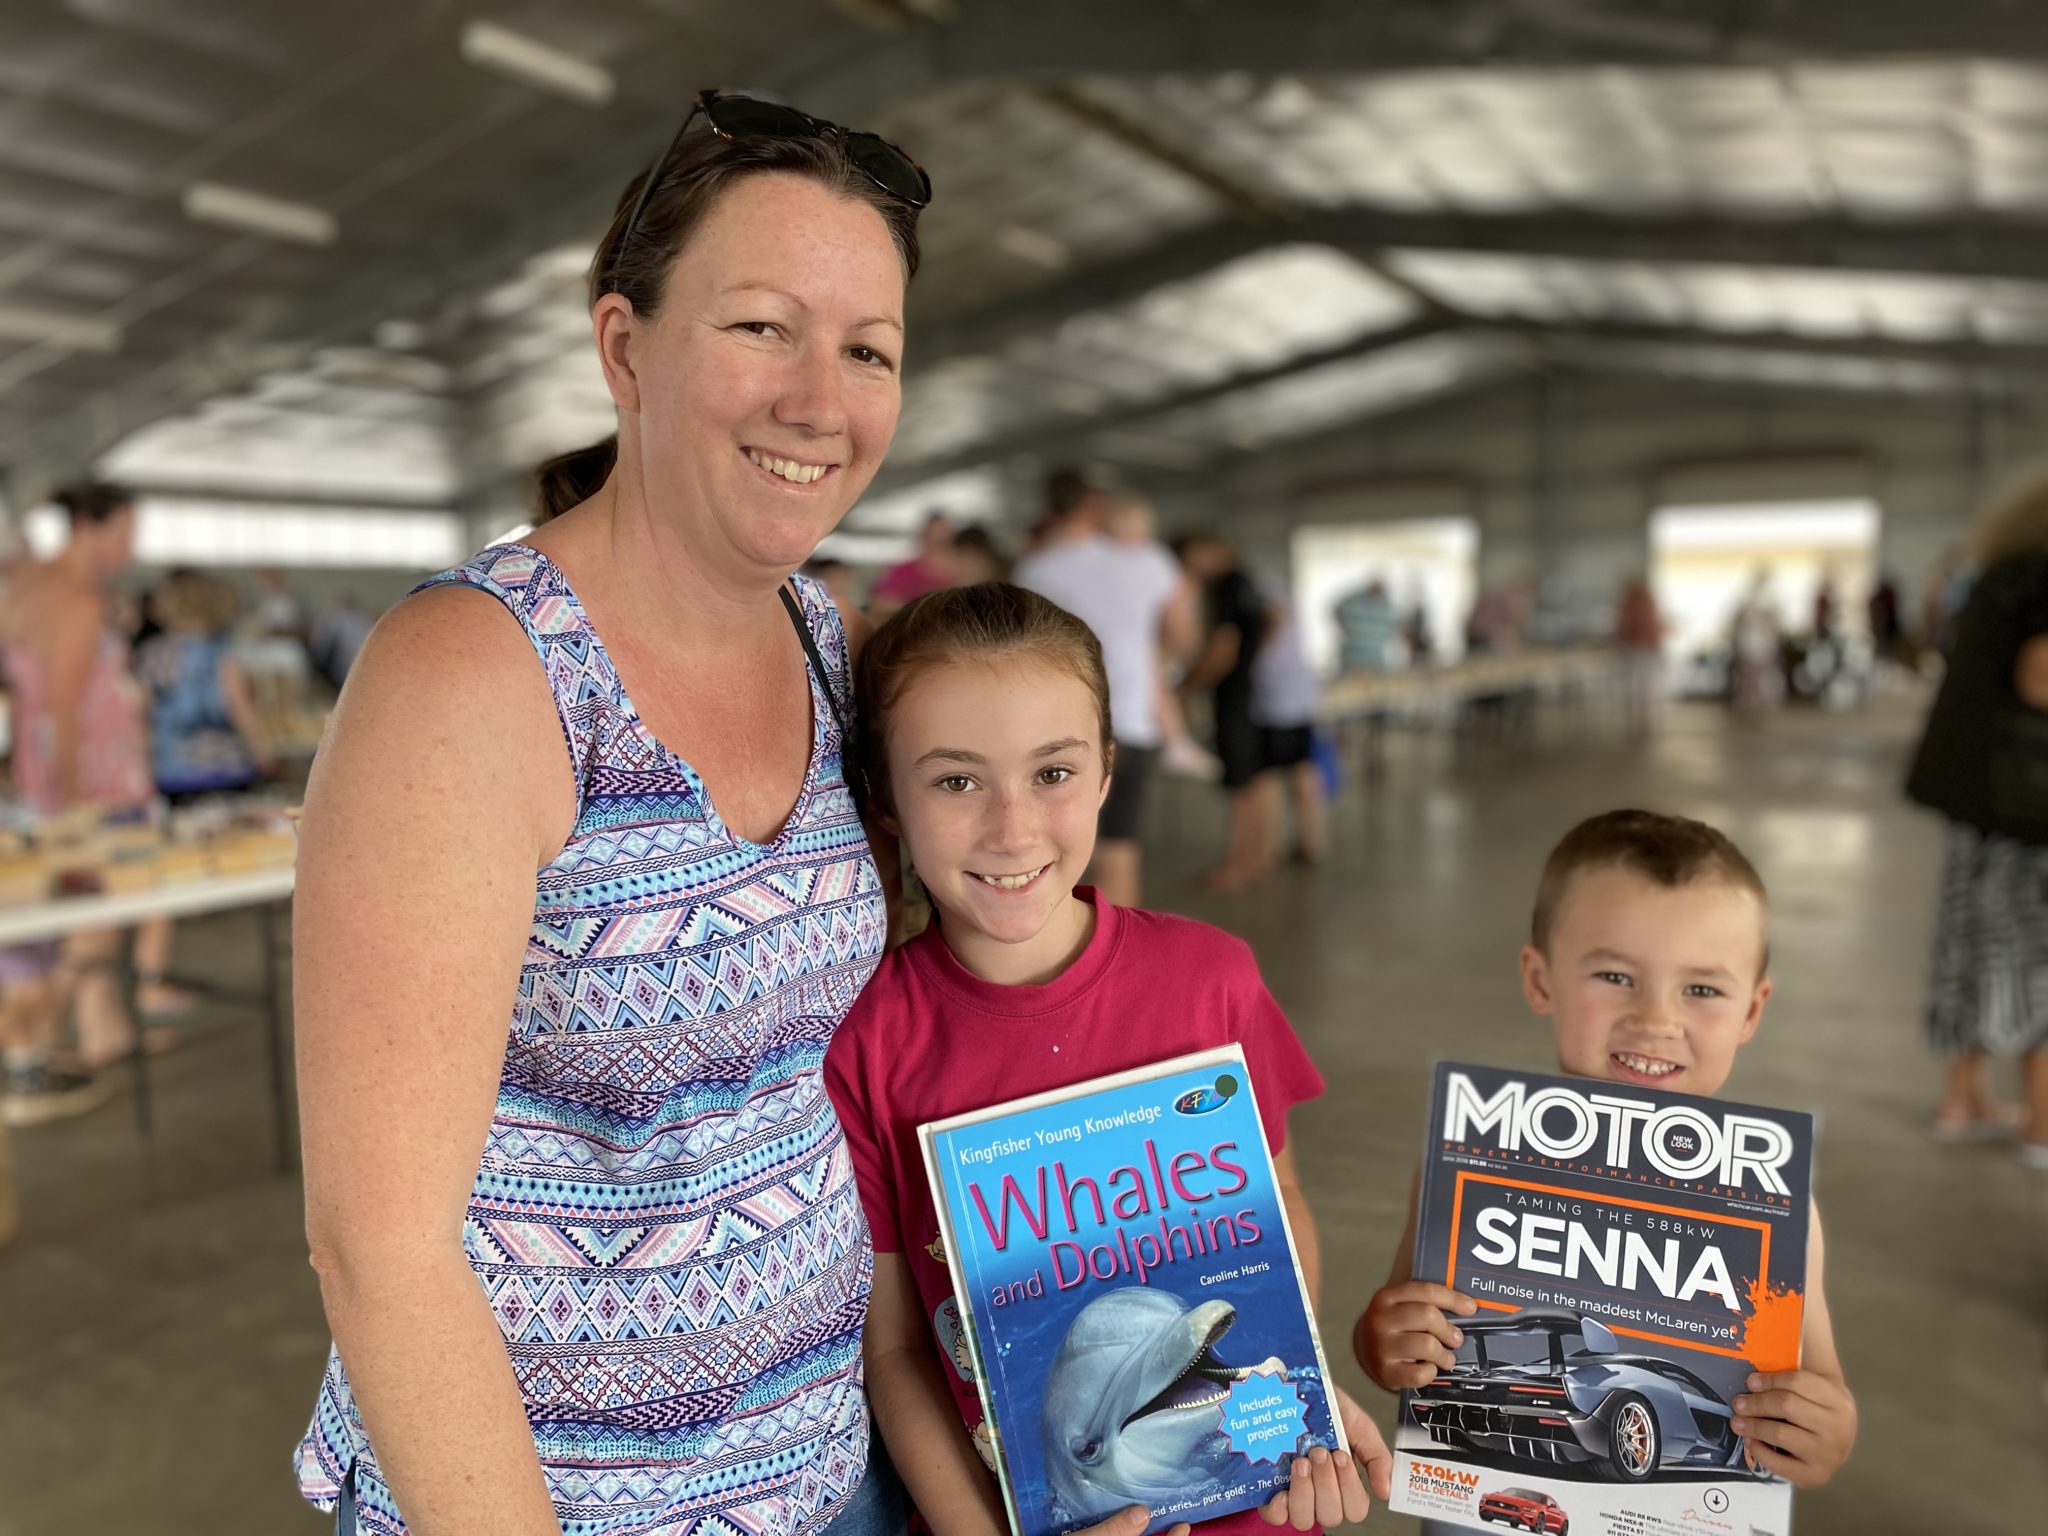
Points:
(126, 704)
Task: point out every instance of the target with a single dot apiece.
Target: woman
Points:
(204, 734)
(572, 936)
(1984, 765)
(80, 747)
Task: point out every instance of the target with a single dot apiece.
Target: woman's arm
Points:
(2030, 675)
(914, 1410)
(73, 643)
(241, 708)
(442, 786)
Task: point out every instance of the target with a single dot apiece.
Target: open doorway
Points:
(1705, 561)
(1430, 563)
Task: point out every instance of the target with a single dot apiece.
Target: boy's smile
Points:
(1651, 984)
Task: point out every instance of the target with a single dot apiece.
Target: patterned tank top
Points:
(665, 1220)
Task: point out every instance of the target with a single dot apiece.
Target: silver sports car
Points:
(1551, 1385)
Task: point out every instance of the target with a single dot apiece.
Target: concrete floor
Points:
(160, 1334)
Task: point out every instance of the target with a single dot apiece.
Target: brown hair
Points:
(701, 170)
(1670, 851)
(2015, 523)
(94, 502)
(994, 621)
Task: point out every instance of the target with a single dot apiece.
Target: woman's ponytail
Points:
(569, 479)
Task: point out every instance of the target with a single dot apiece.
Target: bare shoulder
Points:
(447, 696)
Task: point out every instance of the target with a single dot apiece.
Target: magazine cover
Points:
(1634, 1255)
(1139, 1327)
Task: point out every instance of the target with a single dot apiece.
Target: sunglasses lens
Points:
(890, 167)
(743, 117)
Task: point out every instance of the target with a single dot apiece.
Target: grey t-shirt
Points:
(1120, 591)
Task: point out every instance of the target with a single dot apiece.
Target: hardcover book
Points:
(1634, 1255)
(1138, 1324)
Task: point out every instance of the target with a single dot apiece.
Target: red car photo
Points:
(1526, 1508)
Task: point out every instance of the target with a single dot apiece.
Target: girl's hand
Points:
(1800, 1425)
(1326, 1489)
(1404, 1340)
(1130, 1522)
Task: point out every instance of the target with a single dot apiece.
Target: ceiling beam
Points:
(1070, 437)
(1944, 248)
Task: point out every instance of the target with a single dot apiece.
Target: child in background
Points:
(986, 734)
(1647, 952)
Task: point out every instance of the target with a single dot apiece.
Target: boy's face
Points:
(1651, 984)
(996, 774)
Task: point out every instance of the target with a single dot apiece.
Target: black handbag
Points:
(2016, 774)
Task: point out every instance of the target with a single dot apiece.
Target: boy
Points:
(1648, 952)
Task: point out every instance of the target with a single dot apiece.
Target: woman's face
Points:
(769, 385)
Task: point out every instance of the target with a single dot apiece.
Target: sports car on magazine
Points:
(1525, 1507)
(1552, 1385)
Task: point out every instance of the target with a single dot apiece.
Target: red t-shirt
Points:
(928, 1039)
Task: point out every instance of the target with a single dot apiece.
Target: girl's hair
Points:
(2016, 523)
(988, 623)
(702, 168)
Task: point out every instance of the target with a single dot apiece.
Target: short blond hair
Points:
(2015, 522)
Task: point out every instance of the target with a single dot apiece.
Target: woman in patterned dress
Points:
(1983, 764)
(572, 937)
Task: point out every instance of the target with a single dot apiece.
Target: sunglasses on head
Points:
(734, 118)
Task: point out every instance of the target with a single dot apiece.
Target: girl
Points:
(987, 749)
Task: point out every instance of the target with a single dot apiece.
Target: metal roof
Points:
(1165, 232)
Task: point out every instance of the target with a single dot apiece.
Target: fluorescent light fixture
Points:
(528, 61)
(1034, 246)
(79, 333)
(212, 203)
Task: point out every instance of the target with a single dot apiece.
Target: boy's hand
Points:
(1403, 1339)
(1131, 1522)
(1326, 1489)
(1800, 1425)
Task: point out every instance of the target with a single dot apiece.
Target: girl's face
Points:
(996, 772)
(767, 387)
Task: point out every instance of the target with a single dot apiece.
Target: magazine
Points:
(1139, 1328)
(1634, 1255)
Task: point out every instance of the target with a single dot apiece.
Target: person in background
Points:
(1238, 624)
(336, 639)
(1983, 764)
(931, 569)
(1639, 635)
(1756, 671)
(1947, 586)
(204, 734)
(976, 558)
(1887, 621)
(836, 577)
(1367, 628)
(1135, 599)
(1285, 701)
(1129, 520)
(1415, 632)
(79, 743)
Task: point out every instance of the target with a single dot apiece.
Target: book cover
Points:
(1138, 1323)
(1634, 1255)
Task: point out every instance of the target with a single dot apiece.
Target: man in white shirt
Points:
(1141, 607)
